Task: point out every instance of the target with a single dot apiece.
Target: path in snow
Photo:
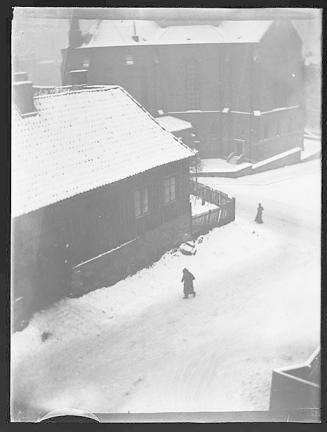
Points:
(138, 347)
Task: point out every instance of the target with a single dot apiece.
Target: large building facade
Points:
(240, 84)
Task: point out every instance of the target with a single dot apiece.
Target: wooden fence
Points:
(208, 194)
(224, 213)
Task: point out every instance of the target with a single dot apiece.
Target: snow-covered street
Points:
(139, 347)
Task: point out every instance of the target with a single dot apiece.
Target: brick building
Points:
(239, 83)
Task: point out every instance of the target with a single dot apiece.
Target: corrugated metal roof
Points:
(119, 33)
(81, 140)
(173, 124)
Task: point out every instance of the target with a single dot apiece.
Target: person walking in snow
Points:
(188, 279)
(258, 218)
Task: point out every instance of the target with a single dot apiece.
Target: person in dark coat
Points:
(188, 279)
(258, 217)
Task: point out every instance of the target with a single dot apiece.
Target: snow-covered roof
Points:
(243, 31)
(120, 33)
(84, 139)
(173, 124)
(189, 34)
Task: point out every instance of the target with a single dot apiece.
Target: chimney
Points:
(78, 77)
(75, 36)
(135, 37)
(23, 94)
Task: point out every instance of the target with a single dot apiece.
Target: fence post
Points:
(234, 207)
(191, 219)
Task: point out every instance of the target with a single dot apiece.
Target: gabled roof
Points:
(81, 140)
(188, 34)
(119, 33)
(244, 31)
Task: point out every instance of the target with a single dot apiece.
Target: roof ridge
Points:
(154, 119)
(67, 90)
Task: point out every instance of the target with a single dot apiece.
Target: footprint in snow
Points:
(138, 381)
(46, 335)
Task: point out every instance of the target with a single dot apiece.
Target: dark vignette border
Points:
(5, 158)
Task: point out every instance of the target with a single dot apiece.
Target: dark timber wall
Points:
(142, 251)
(50, 242)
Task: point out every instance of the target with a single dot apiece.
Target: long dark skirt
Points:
(258, 218)
(188, 289)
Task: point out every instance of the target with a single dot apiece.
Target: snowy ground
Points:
(311, 147)
(221, 165)
(198, 208)
(138, 347)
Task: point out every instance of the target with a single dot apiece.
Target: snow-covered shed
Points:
(180, 128)
(95, 181)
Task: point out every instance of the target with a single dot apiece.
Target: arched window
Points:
(213, 132)
(193, 84)
(278, 130)
(265, 131)
(108, 74)
(280, 93)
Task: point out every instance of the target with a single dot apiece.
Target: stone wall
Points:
(286, 158)
(275, 146)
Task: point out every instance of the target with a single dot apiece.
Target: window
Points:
(278, 131)
(169, 190)
(141, 205)
(279, 93)
(265, 131)
(80, 61)
(290, 125)
(192, 85)
(108, 74)
(129, 60)
(214, 130)
(86, 62)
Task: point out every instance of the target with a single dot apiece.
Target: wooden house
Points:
(99, 189)
(239, 83)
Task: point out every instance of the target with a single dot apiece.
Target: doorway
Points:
(239, 146)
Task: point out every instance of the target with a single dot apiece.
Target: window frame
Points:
(192, 90)
(143, 203)
(278, 128)
(267, 132)
(109, 73)
(172, 197)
